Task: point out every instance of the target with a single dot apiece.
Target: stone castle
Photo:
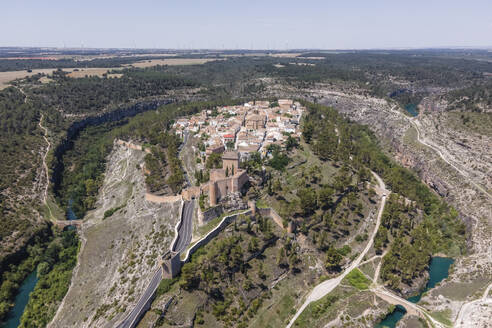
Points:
(229, 179)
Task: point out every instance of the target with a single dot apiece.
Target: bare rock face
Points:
(119, 252)
(453, 162)
(417, 162)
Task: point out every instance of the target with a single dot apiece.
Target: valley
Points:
(339, 199)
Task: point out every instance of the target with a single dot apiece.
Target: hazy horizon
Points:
(274, 25)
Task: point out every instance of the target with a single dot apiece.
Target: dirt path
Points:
(45, 166)
(378, 268)
(327, 286)
(416, 124)
(410, 307)
(467, 308)
(391, 298)
(44, 196)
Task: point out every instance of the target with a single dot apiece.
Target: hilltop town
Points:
(234, 133)
(247, 128)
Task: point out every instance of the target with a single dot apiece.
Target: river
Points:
(412, 110)
(438, 270)
(13, 318)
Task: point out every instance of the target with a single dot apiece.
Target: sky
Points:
(247, 24)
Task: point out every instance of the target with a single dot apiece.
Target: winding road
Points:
(182, 241)
(143, 303)
(324, 288)
(185, 228)
(411, 308)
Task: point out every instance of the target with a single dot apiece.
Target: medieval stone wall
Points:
(162, 199)
(271, 213)
(131, 145)
(209, 214)
(205, 240)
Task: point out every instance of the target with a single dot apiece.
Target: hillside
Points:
(321, 184)
(325, 188)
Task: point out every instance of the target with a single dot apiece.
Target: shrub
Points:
(358, 280)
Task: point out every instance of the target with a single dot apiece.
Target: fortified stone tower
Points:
(230, 161)
(212, 193)
(252, 206)
(171, 264)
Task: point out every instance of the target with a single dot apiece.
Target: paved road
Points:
(183, 240)
(322, 289)
(132, 319)
(186, 228)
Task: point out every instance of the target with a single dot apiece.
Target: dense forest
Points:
(474, 98)
(54, 272)
(85, 164)
(30, 64)
(85, 95)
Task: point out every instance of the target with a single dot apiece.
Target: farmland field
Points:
(172, 62)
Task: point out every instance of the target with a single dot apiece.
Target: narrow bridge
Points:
(411, 308)
(396, 300)
(65, 223)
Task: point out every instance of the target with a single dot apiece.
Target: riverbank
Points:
(14, 316)
(438, 271)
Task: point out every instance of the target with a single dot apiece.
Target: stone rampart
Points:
(162, 199)
(191, 192)
(205, 240)
(171, 265)
(271, 213)
(131, 145)
(211, 213)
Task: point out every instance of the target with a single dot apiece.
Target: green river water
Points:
(412, 109)
(438, 270)
(21, 299)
